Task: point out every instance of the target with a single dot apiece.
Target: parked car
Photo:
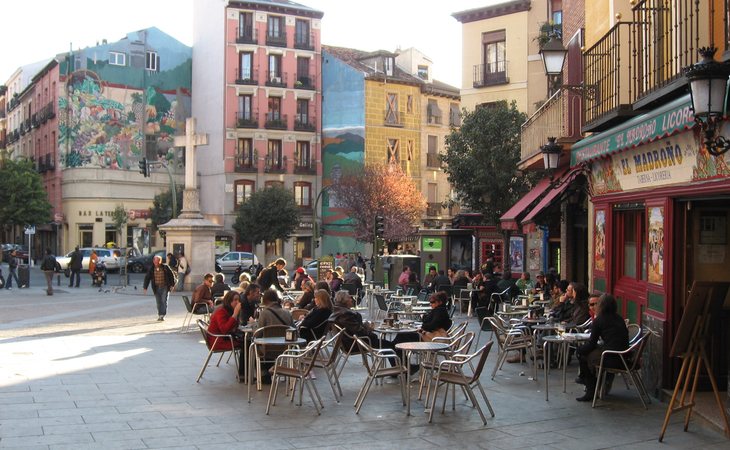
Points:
(110, 257)
(141, 264)
(312, 268)
(229, 262)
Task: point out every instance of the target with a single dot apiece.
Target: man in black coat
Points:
(75, 265)
(440, 280)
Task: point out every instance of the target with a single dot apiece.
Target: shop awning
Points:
(661, 122)
(550, 197)
(509, 219)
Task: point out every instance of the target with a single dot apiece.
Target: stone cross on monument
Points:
(191, 196)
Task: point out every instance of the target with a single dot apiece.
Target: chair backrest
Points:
(298, 313)
(336, 342)
(423, 295)
(310, 354)
(188, 305)
(271, 331)
(465, 342)
(464, 294)
(637, 349)
(498, 329)
(482, 312)
(634, 332)
(380, 298)
(204, 331)
(444, 287)
(482, 361)
(457, 328)
(365, 351)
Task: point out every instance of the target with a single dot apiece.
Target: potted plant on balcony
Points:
(298, 84)
(548, 30)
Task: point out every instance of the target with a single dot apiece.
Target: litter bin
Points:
(24, 275)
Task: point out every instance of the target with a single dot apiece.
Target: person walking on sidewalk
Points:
(48, 266)
(13, 270)
(75, 265)
(182, 271)
(163, 282)
(93, 259)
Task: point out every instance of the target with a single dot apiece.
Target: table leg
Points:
(534, 354)
(250, 370)
(406, 365)
(546, 364)
(565, 363)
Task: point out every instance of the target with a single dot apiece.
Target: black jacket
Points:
(76, 260)
(440, 280)
(612, 329)
(316, 321)
(268, 278)
(437, 318)
(150, 278)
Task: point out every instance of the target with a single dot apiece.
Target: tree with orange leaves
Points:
(380, 190)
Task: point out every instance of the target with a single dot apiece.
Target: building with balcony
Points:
(500, 58)
(658, 215)
(3, 122)
(258, 96)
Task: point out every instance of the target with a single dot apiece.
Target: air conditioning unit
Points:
(276, 80)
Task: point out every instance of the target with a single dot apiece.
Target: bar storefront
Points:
(658, 221)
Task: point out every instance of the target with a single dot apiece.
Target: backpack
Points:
(49, 263)
(187, 269)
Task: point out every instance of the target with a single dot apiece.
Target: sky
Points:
(37, 30)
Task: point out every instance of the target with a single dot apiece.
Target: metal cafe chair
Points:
(296, 364)
(211, 341)
(451, 371)
(375, 362)
(190, 312)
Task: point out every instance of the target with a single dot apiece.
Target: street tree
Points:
(267, 215)
(379, 190)
(481, 160)
(161, 211)
(23, 199)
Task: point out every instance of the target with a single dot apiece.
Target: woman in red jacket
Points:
(224, 320)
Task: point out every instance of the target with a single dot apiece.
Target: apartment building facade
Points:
(268, 131)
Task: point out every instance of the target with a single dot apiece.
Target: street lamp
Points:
(553, 56)
(551, 155)
(708, 84)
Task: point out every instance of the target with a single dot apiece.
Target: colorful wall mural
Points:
(114, 115)
(343, 147)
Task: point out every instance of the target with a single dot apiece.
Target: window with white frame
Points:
(152, 61)
(303, 194)
(117, 59)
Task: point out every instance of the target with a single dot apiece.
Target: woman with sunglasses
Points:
(436, 321)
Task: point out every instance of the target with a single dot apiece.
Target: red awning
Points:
(509, 219)
(565, 181)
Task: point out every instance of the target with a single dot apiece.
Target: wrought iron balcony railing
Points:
(304, 41)
(433, 209)
(275, 164)
(277, 79)
(305, 167)
(245, 161)
(433, 160)
(276, 121)
(305, 82)
(490, 74)
(247, 120)
(276, 40)
(303, 123)
(246, 35)
(559, 117)
(246, 76)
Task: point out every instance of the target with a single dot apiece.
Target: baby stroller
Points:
(99, 275)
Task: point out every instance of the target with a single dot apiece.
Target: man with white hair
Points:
(163, 282)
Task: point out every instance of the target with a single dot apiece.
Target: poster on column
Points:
(656, 245)
(599, 254)
(516, 257)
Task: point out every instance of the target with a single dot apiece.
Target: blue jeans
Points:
(180, 282)
(12, 273)
(161, 295)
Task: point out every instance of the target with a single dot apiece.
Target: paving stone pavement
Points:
(85, 369)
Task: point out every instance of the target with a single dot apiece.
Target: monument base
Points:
(196, 238)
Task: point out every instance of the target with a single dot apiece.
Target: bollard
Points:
(58, 279)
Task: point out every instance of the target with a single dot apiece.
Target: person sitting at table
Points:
(219, 287)
(316, 320)
(249, 303)
(540, 282)
(336, 282)
(323, 285)
(300, 276)
(506, 282)
(428, 279)
(581, 311)
(351, 321)
(202, 295)
(609, 327)
(272, 313)
(524, 284)
(413, 285)
(440, 280)
(562, 307)
(593, 306)
(461, 280)
(225, 321)
(437, 321)
(306, 300)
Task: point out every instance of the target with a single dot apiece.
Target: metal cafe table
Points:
(279, 340)
(408, 349)
(564, 341)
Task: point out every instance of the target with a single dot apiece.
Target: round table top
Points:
(512, 313)
(577, 336)
(538, 320)
(278, 340)
(246, 328)
(395, 330)
(554, 338)
(422, 346)
(546, 326)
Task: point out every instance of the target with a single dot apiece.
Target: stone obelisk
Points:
(190, 231)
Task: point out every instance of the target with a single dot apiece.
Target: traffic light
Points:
(316, 243)
(379, 226)
(144, 167)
